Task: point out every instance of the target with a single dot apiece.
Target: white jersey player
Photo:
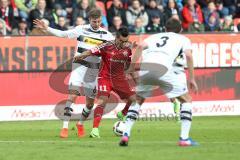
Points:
(158, 53)
(158, 58)
(83, 76)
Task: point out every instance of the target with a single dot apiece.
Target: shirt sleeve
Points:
(72, 33)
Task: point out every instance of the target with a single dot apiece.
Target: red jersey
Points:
(114, 60)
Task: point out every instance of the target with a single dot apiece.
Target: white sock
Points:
(132, 113)
(83, 116)
(186, 120)
(65, 123)
(67, 119)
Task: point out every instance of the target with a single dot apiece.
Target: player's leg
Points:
(67, 113)
(143, 91)
(103, 92)
(89, 90)
(122, 114)
(75, 81)
(132, 116)
(176, 107)
(180, 91)
(84, 115)
(186, 120)
(98, 113)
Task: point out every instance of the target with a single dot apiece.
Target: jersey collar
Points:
(94, 30)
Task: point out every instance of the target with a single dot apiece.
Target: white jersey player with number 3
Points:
(161, 53)
(158, 54)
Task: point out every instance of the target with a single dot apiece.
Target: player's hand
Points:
(78, 59)
(193, 85)
(40, 24)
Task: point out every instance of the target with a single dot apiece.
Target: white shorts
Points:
(172, 84)
(83, 80)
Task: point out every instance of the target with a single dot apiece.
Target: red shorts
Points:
(121, 87)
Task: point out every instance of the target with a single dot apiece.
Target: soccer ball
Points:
(119, 127)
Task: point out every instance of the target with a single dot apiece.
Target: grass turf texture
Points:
(219, 139)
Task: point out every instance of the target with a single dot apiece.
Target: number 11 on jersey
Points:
(103, 88)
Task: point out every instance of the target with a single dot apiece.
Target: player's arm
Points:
(127, 64)
(189, 57)
(66, 34)
(136, 57)
(82, 56)
(131, 46)
(97, 51)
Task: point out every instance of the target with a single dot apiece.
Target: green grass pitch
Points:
(219, 139)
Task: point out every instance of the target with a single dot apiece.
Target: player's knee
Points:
(89, 105)
(101, 102)
(186, 111)
(73, 95)
(132, 99)
(140, 100)
(185, 98)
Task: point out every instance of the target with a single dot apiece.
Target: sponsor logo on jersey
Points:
(92, 41)
(116, 60)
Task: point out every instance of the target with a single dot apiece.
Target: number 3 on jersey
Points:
(164, 41)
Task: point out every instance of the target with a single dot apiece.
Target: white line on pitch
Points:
(111, 142)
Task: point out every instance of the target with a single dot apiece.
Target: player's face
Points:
(121, 41)
(95, 23)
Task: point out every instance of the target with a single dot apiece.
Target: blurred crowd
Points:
(141, 16)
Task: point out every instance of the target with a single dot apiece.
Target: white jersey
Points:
(87, 38)
(164, 48)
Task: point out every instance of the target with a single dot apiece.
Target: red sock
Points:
(125, 109)
(98, 112)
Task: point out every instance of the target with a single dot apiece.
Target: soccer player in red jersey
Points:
(116, 57)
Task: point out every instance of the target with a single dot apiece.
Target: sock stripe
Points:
(187, 112)
(186, 118)
(68, 109)
(85, 113)
(131, 117)
(67, 114)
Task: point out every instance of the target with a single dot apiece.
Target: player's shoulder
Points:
(179, 37)
(106, 33)
(183, 37)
